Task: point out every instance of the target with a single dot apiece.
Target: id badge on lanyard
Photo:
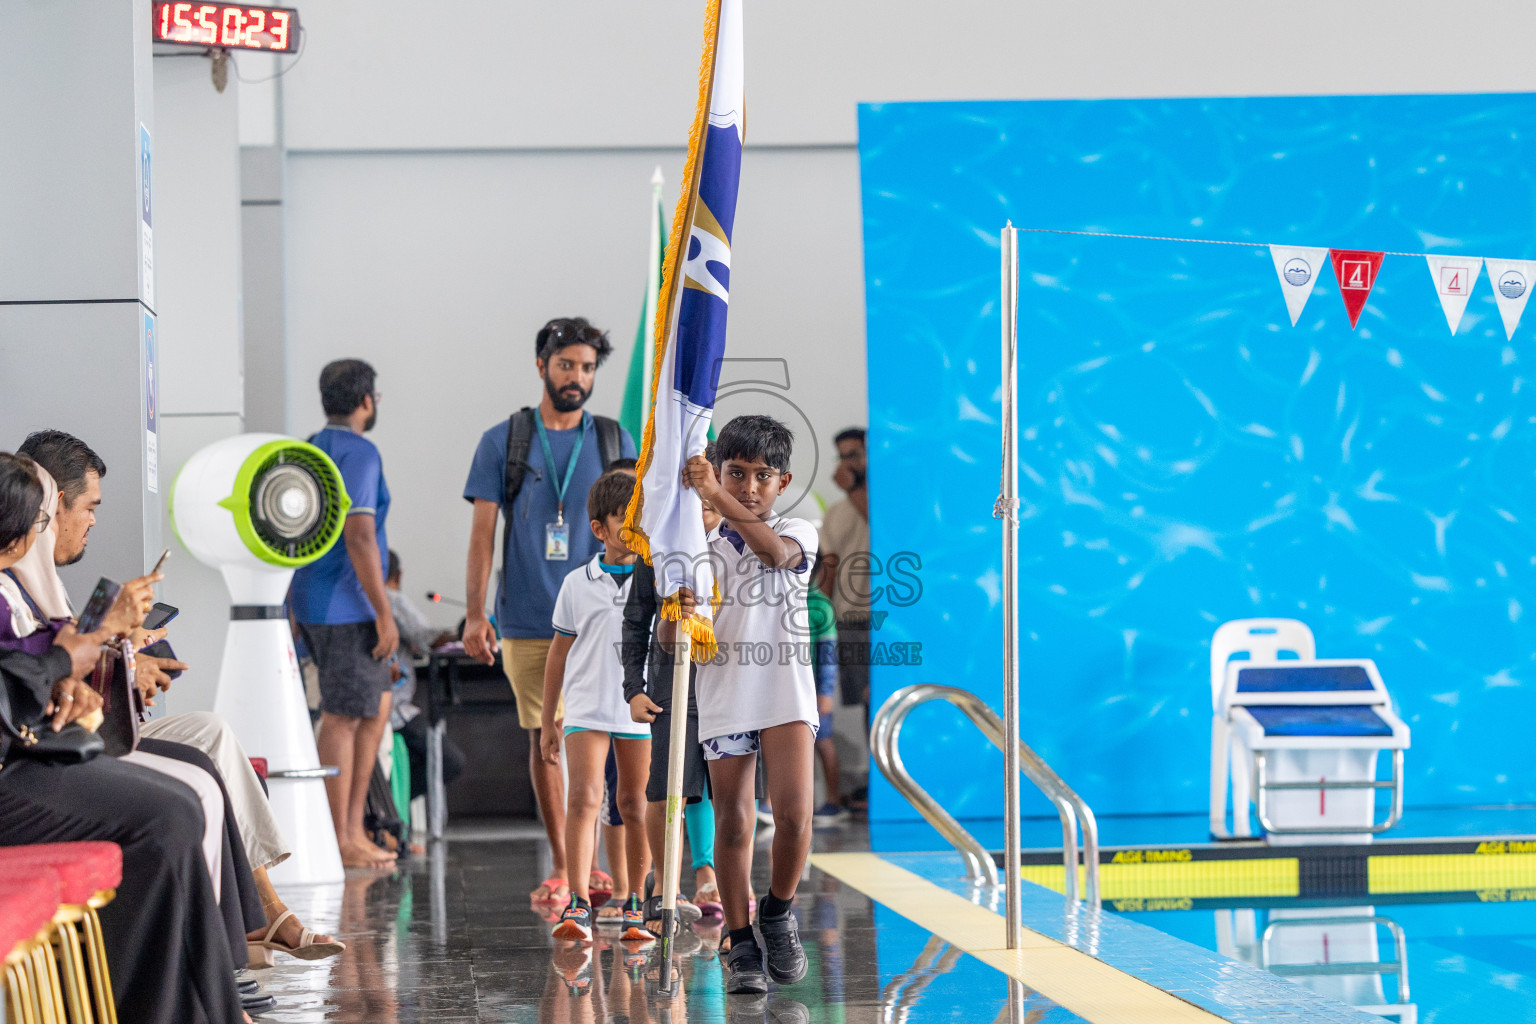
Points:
(557, 542)
(557, 535)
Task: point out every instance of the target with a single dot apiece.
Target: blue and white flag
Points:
(665, 519)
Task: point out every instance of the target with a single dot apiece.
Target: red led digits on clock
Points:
(280, 30)
(206, 25)
(227, 25)
(183, 24)
(257, 25)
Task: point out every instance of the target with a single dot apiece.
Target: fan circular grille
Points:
(296, 504)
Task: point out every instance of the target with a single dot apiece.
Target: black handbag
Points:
(122, 706)
(36, 741)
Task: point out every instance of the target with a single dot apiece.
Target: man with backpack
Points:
(534, 469)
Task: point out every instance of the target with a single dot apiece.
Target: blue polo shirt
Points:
(525, 595)
(327, 590)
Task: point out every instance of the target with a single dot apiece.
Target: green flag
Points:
(637, 385)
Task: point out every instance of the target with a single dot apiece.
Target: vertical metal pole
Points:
(437, 791)
(1008, 508)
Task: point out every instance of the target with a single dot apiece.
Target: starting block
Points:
(1299, 737)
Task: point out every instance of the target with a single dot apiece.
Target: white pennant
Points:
(1454, 277)
(1297, 269)
(1512, 280)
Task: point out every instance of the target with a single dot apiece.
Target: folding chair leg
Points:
(47, 975)
(19, 1001)
(72, 969)
(96, 961)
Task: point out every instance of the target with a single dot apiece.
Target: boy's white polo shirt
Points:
(590, 607)
(757, 681)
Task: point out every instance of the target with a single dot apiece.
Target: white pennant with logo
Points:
(1297, 269)
(1511, 281)
(1454, 277)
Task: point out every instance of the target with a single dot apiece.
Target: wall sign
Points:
(231, 26)
(146, 219)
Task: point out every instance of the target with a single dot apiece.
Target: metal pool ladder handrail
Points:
(885, 748)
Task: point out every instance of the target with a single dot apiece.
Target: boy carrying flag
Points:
(748, 709)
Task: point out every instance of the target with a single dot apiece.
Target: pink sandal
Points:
(707, 899)
(552, 884)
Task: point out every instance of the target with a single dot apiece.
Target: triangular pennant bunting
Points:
(1511, 281)
(1454, 277)
(1297, 269)
(1356, 270)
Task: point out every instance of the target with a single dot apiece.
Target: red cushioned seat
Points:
(26, 906)
(84, 869)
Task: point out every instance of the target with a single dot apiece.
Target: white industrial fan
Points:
(256, 507)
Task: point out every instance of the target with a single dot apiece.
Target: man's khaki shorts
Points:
(523, 662)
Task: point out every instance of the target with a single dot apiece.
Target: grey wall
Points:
(75, 77)
(197, 239)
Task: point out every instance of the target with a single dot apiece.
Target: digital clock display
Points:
(231, 26)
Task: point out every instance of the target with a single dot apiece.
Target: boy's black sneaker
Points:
(634, 921)
(744, 970)
(781, 936)
(575, 922)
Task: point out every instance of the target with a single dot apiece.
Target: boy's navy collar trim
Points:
(739, 542)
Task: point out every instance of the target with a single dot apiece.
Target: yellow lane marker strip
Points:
(1074, 980)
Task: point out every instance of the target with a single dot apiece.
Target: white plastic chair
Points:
(1263, 641)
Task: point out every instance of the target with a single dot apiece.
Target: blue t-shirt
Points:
(525, 596)
(327, 590)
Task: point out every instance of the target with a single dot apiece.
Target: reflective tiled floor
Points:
(452, 938)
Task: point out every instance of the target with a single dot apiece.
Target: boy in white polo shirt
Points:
(583, 666)
(753, 701)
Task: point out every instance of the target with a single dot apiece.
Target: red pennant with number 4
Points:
(1356, 270)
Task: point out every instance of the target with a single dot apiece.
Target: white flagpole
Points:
(672, 847)
(652, 296)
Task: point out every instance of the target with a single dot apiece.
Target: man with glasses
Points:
(343, 610)
(534, 470)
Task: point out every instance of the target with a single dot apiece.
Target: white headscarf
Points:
(36, 570)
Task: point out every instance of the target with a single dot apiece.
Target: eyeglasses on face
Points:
(42, 524)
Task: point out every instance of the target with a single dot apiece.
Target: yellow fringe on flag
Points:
(699, 629)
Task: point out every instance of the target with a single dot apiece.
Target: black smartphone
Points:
(98, 605)
(162, 649)
(159, 615)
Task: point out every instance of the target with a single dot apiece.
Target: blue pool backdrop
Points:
(1187, 456)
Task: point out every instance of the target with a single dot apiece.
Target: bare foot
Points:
(366, 856)
(364, 840)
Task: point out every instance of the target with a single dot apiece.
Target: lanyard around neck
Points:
(562, 485)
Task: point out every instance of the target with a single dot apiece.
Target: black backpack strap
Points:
(610, 440)
(519, 441)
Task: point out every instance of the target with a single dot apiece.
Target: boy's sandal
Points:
(600, 881)
(550, 887)
(686, 914)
